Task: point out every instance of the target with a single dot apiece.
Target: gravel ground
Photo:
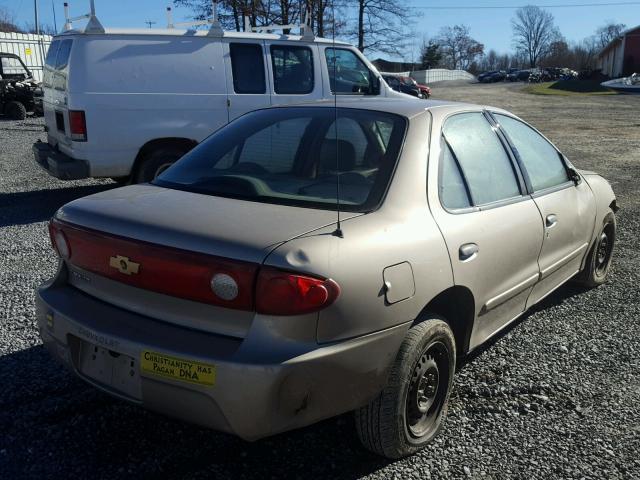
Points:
(555, 397)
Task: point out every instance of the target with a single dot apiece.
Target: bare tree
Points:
(608, 32)
(533, 32)
(7, 21)
(381, 25)
(459, 50)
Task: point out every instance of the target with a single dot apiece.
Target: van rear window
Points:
(62, 59)
(52, 53)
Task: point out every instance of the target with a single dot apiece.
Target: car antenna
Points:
(338, 231)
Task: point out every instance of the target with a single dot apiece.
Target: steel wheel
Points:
(603, 254)
(427, 390)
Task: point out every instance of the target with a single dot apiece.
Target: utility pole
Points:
(150, 23)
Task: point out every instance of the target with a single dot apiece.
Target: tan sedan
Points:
(228, 294)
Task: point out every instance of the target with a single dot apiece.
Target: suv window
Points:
(541, 160)
(453, 192)
(351, 74)
(292, 69)
(292, 156)
(486, 166)
(62, 59)
(247, 68)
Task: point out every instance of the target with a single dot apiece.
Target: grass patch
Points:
(569, 87)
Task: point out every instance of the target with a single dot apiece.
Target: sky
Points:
(489, 25)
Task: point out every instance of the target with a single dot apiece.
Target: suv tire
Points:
(410, 410)
(156, 162)
(15, 110)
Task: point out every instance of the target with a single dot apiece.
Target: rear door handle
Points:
(468, 251)
(551, 220)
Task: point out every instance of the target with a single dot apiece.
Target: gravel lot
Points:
(557, 396)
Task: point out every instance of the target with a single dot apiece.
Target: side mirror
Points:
(374, 82)
(574, 175)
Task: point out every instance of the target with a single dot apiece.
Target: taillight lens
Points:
(78, 125)
(59, 240)
(285, 293)
(167, 270)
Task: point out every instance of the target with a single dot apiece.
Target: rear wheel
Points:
(410, 411)
(15, 110)
(598, 264)
(156, 162)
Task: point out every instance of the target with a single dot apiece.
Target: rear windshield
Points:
(50, 60)
(296, 156)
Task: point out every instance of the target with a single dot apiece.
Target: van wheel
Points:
(15, 110)
(410, 410)
(596, 268)
(156, 162)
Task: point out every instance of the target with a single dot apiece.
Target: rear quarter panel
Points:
(401, 230)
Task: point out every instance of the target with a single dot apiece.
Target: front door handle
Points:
(551, 220)
(468, 251)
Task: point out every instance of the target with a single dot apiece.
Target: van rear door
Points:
(55, 87)
(246, 76)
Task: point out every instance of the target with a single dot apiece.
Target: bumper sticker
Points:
(177, 368)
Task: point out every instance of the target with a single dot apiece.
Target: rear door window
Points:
(62, 59)
(50, 60)
(540, 158)
(247, 68)
(452, 188)
(347, 72)
(485, 164)
(292, 69)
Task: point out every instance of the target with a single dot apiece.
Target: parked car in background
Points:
(397, 84)
(491, 77)
(424, 90)
(19, 92)
(227, 292)
(127, 104)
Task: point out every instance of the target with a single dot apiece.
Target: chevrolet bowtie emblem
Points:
(124, 265)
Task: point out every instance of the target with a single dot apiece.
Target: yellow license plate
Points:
(176, 368)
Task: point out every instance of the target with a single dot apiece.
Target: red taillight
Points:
(78, 125)
(193, 276)
(286, 293)
(59, 240)
(161, 269)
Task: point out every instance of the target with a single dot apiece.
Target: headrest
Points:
(346, 156)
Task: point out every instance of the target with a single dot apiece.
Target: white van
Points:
(127, 103)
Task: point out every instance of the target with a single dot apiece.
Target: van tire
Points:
(15, 110)
(156, 162)
(410, 410)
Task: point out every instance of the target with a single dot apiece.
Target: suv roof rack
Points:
(92, 26)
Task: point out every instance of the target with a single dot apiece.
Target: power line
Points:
(511, 7)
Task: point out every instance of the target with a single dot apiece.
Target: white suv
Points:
(127, 104)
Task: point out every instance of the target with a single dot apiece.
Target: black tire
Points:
(15, 110)
(598, 264)
(156, 162)
(410, 410)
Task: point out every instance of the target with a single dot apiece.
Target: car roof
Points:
(408, 107)
(176, 32)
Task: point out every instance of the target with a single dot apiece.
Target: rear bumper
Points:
(58, 164)
(261, 388)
